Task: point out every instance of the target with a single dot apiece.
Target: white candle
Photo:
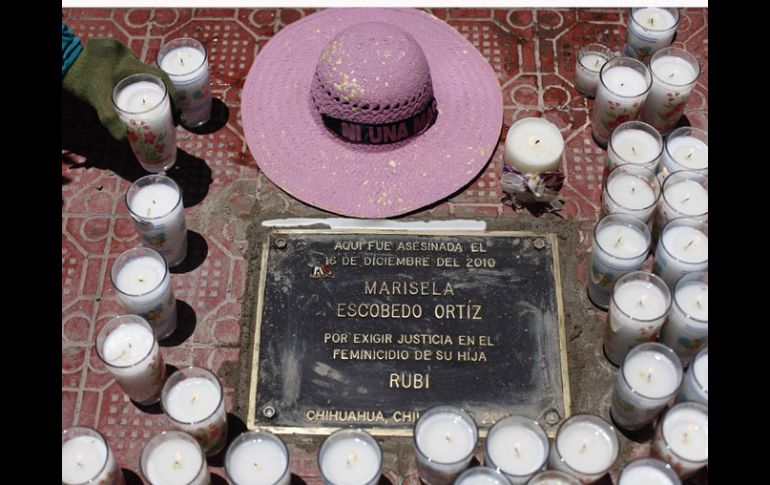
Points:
(445, 438)
(480, 475)
(686, 328)
(649, 378)
(674, 72)
(631, 190)
(258, 458)
(650, 29)
(186, 63)
(171, 458)
(686, 149)
(637, 143)
(534, 145)
(695, 386)
(683, 194)
(127, 346)
(586, 446)
(518, 447)
(639, 304)
(648, 471)
(683, 249)
(193, 399)
(142, 103)
(350, 457)
(155, 205)
(623, 87)
(140, 276)
(682, 438)
(86, 458)
(590, 59)
(620, 245)
(553, 477)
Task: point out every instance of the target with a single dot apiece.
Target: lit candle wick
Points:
(651, 21)
(256, 466)
(144, 99)
(685, 437)
(597, 63)
(448, 436)
(195, 398)
(177, 461)
(689, 155)
(79, 459)
(181, 59)
(641, 300)
(690, 244)
(351, 458)
(617, 243)
(633, 149)
(649, 375)
(583, 449)
(516, 450)
(633, 187)
(672, 75)
(698, 300)
(684, 201)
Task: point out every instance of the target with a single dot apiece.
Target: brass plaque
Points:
(370, 328)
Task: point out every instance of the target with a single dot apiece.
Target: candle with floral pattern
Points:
(155, 205)
(131, 353)
(674, 73)
(186, 62)
(650, 29)
(194, 401)
(142, 103)
(639, 304)
(623, 86)
(143, 285)
(682, 438)
(621, 243)
(648, 380)
(686, 330)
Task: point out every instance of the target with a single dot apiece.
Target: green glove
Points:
(96, 71)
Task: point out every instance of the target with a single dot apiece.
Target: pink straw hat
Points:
(371, 112)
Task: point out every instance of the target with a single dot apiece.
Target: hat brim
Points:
(298, 154)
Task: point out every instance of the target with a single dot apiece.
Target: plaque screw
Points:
(268, 412)
(552, 417)
(539, 244)
(280, 244)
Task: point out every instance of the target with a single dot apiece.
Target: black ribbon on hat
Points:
(380, 134)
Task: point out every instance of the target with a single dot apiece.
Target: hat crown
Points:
(373, 73)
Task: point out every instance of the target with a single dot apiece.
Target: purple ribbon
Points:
(526, 188)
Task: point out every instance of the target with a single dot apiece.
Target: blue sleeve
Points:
(70, 48)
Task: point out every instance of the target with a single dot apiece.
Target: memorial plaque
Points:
(368, 329)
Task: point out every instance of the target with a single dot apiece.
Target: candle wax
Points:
(640, 300)
(635, 146)
(654, 18)
(686, 244)
(257, 462)
(689, 152)
(673, 70)
(534, 145)
(516, 450)
(686, 432)
(701, 369)
(651, 374)
(127, 345)
(585, 447)
(174, 462)
(621, 241)
(693, 299)
(350, 461)
(82, 458)
(154, 200)
(644, 475)
(139, 97)
(631, 192)
(688, 197)
(193, 399)
(445, 438)
(480, 479)
(593, 62)
(140, 275)
(625, 81)
(181, 61)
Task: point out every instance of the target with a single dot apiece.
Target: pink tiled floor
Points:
(533, 53)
